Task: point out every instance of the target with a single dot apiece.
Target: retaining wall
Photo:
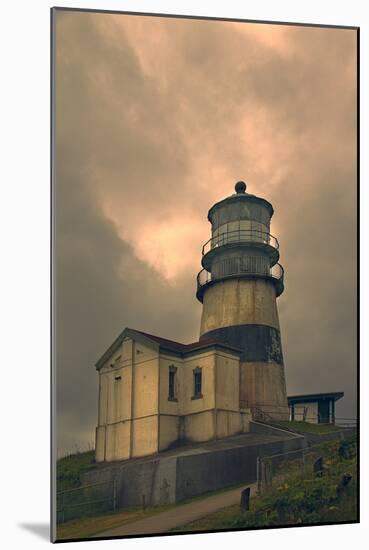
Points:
(169, 479)
(165, 480)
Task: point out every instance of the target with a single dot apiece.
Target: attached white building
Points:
(155, 393)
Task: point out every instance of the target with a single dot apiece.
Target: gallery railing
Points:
(240, 236)
(276, 272)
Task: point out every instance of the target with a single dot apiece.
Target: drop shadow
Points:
(42, 530)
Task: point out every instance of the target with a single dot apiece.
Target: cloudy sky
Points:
(156, 119)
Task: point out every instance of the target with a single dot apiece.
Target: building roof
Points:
(312, 397)
(186, 348)
(165, 345)
(236, 197)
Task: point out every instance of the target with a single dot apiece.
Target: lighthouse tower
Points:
(238, 287)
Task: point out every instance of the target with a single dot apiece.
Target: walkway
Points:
(179, 515)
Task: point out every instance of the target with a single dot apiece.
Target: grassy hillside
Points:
(69, 468)
(295, 499)
(308, 427)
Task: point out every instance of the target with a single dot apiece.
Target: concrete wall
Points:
(237, 302)
(166, 406)
(164, 480)
(117, 441)
(246, 418)
(168, 430)
(227, 382)
(145, 436)
(100, 443)
(114, 408)
(185, 403)
(228, 420)
(145, 383)
(136, 416)
(197, 474)
(205, 361)
(128, 403)
(197, 424)
(140, 484)
(227, 423)
(199, 427)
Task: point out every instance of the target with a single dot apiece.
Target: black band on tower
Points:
(258, 342)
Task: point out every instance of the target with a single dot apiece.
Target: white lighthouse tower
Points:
(238, 286)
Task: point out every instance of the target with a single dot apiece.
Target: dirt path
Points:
(180, 515)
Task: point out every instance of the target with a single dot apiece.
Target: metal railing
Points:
(271, 415)
(87, 500)
(240, 236)
(276, 469)
(271, 412)
(346, 422)
(276, 272)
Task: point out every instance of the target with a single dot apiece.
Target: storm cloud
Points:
(156, 118)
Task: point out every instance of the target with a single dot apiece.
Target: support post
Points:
(333, 412)
(303, 463)
(258, 473)
(245, 500)
(318, 467)
(267, 474)
(114, 495)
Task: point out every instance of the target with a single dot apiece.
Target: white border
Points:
(25, 267)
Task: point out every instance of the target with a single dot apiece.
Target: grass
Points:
(308, 427)
(90, 526)
(69, 469)
(295, 499)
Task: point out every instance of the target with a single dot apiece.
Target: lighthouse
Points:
(155, 393)
(238, 287)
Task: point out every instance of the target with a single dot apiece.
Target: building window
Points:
(172, 383)
(197, 383)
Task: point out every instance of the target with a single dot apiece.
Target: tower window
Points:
(197, 383)
(172, 383)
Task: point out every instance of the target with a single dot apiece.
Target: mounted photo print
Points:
(204, 274)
